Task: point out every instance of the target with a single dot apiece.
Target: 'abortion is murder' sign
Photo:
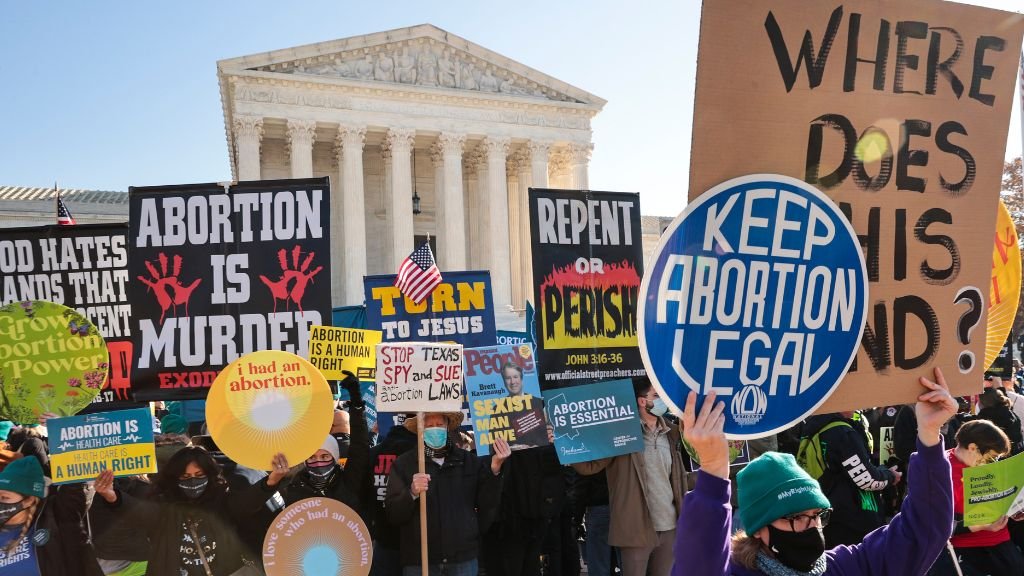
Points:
(898, 111)
(217, 273)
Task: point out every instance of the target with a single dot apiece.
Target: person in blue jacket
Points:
(784, 510)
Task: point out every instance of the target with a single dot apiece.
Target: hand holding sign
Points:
(705, 431)
(933, 409)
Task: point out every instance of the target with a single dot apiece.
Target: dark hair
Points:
(641, 386)
(166, 482)
(992, 398)
(985, 435)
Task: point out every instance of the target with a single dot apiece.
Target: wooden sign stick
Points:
(423, 496)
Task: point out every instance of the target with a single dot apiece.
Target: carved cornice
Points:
(400, 140)
(451, 143)
(301, 133)
(495, 146)
(580, 153)
(558, 161)
(348, 138)
(248, 127)
(539, 150)
(475, 160)
(519, 161)
(436, 155)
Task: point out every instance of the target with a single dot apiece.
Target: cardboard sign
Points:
(460, 309)
(419, 376)
(219, 272)
(83, 446)
(52, 359)
(898, 111)
(587, 265)
(332, 350)
(84, 267)
(317, 536)
(993, 490)
(887, 446)
(757, 292)
(269, 402)
(504, 397)
(1004, 289)
(594, 421)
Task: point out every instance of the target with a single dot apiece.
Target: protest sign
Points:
(332, 350)
(587, 265)
(219, 272)
(509, 338)
(83, 446)
(460, 309)
(269, 402)
(993, 490)
(419, 376)
(504, 397)
(887, 446)
(52, 360)
(84, 267)
(594, 421)
(317, 536)
(745, 300)
(899, 112)
(1004, 288)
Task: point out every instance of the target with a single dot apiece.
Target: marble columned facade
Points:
(415, 110)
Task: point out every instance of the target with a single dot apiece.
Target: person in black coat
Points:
(995, 407)
(117, 544)
(462, 492)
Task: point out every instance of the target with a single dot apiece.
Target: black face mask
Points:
(193, 488)
(798, 550)
(8, 511)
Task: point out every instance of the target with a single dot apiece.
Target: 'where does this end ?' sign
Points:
(419, 377)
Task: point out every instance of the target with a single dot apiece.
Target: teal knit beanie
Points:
(773, 485)
(173, 424)
(24, 476)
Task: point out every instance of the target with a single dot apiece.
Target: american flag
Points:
(418, 275)
(64, 217)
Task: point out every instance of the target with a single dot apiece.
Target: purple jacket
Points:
(907, 546)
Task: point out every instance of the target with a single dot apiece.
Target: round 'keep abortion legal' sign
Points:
(757, 292)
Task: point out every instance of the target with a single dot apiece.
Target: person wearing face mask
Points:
(462, 491)
(191, 519)
(783, 509)
(987, 549)
(645, 490)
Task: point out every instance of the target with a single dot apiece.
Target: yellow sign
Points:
(317, 536)
(1004, 291)
(269, 402)
(335, 349)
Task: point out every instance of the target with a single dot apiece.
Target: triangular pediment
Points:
(421, 56)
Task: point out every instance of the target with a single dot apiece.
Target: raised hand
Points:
(500, 452)
(278, 469)
(104, 486)
(705, 431)
(934, 407)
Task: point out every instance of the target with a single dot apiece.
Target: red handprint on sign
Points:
(168, 290)
(292, 285)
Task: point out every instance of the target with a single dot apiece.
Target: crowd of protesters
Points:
(522, 513)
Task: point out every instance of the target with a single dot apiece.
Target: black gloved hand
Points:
(351, 385)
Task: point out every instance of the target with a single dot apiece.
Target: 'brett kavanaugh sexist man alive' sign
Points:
(216, 274)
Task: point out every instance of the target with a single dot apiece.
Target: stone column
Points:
(248, 135)
(353, 212)
(558, 168)
(477, 234)
(539, 152)
(452, 235)
(534, 175)
(388, 232)
(495, 221)
(400, 141)
(579, 162)
(515, 224)
(301, 135)
(437, 160)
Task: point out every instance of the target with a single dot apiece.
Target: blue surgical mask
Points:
(435, 437)
(659, 408)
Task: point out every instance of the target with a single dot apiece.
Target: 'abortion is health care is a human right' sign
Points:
(757, 293)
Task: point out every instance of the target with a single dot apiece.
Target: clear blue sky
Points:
(105, 95)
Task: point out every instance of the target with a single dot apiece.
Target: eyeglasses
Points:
(801, 522)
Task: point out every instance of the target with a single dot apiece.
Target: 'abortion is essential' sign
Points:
(757, 293)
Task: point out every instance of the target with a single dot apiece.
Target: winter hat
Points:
(331, 445)
(773, 485)
(24, 476)
(173, 424)
(454, 420)
(5, 429)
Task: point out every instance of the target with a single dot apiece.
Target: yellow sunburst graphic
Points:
(317, 537)
(1004, 291)
(269, 402)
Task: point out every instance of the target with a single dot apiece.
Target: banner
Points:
(898, 111)
(1004, 288)
(587, 265)
(84, 267)
(509, 338)
(756, 292)
(83, 446)
(219, 272)
(504, 397)
(887, 447)
(317, 536)
(992, 491)
(368, 391)
(332, 350)
(419, 376)
(594, 421)
(461, 310)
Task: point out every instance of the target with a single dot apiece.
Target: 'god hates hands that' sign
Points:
(757, 293)
(419, 376)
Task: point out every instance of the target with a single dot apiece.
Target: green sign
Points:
(52, 360)
(993, 491)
